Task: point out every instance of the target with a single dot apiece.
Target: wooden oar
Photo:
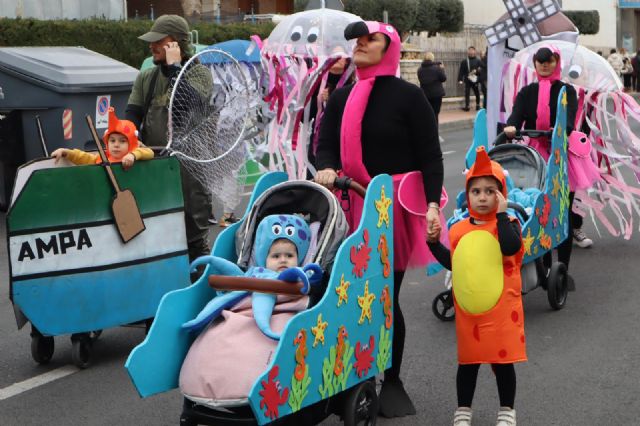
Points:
(125, 209)
(261, 285)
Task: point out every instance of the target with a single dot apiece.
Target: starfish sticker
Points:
(342, 289)
(556, 186)
(365, 302)
(528, 241)
(318, 331)
(564, 99)
(382, 205)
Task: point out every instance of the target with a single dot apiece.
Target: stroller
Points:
(348, 326)
(543, 212)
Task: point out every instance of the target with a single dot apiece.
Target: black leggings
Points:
(565, 248)
(505, 378)
(398, 330)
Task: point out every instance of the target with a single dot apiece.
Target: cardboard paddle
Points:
(125, 209)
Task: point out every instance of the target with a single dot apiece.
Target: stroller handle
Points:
(261, 285)
(502, 138)
(345, 183)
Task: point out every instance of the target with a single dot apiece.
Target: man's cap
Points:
(167, 25)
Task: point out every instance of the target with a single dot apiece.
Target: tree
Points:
(402, 13)
(439, 16)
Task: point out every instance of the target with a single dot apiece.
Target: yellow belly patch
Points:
(478, 277)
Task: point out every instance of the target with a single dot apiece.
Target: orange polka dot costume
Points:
(486, 284)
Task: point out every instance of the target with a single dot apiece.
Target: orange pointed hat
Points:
(484, 167)
(124, 127)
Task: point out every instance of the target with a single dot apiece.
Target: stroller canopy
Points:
(310, 200)
(525, 165)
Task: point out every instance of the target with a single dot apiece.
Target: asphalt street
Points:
(582, 369)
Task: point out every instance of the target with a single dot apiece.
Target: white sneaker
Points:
(462, 416)
(506, 417)
(581, 239)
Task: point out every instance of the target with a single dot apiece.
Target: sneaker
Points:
(227, 219)
(581, 239)
(506, 417)
(462, 416)
(212, 219)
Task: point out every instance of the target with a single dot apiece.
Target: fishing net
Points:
(209, 110)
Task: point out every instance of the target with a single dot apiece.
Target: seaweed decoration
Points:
(336, 368)
(384, 349)
(299, 390)
(272, 394)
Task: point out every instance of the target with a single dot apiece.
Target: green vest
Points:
(153, 130)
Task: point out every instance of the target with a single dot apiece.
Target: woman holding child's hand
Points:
(383, 124)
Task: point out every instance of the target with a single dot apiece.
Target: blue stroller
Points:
(538, 196)
(348, 326)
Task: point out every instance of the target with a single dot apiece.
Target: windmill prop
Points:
(522, 21)
(526, 22)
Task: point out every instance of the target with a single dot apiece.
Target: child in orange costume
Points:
(485, 259)
(121, 140)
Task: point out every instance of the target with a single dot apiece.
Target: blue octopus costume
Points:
(270, 229)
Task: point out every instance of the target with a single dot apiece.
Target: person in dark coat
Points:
(469, 75)
(635, 63)
(431, 76)
(482, 77)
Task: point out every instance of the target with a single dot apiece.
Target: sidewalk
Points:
(456, 119)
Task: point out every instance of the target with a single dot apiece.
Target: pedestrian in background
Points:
(635, 63)
(431, 76)
(469, 76)
(484, 68)
(615, 60)
(627, 74)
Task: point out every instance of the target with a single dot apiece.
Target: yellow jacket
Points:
(80, 157)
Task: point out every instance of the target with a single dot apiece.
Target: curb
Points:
(451, 126)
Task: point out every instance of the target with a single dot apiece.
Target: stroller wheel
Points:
(557, 286)
(81, 350)
(361, 405)
(442, 306)
(42, 348)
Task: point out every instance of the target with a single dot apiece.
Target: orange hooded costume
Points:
(125, 127)
(486, 284)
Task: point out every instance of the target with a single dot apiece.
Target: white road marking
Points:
(448, 152)
(34, 382)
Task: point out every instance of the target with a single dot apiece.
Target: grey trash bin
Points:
(61, 85)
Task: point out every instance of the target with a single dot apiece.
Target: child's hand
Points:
(433, 232)
(502, 202)
(128, 160)
(59, 153)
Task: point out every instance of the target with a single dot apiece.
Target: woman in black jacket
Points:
(431, 76)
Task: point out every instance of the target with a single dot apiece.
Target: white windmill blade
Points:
(522, 21)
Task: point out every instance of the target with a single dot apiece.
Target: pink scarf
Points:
(351, 130)
(543, 111)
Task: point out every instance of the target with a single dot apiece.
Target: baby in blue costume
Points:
(281, 244)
